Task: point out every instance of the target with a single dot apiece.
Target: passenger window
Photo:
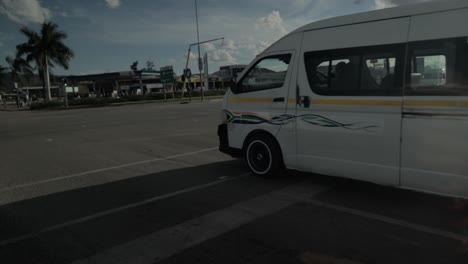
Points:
(437, 68)
(380, 68)
(269, 73)
(465, 65)
(331, 76)
(428, 71)
(359, 72)
(344, 76)
(378, 75)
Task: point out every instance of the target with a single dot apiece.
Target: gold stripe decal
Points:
(464, 104)
(355, 102)
(431, 103)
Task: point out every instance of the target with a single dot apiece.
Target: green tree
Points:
(134, 66)
(46, 49)
(19, 67)
(2, 78)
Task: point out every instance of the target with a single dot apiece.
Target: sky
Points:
(108, 35)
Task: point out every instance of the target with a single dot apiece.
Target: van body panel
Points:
(286, 136)
(435, 126)
(258, 110)
(359, 35)
(400, 138)
(369, 149)
(387, 13)
(288, 42)
(435, 148)
(441, 25)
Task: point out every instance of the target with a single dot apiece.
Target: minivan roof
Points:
(388, 13)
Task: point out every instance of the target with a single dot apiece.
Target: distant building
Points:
(117, 83)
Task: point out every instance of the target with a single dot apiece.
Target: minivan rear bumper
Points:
(224, 142)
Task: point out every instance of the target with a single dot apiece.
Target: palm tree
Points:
(19, 66)
(45, 49)
(2, 80)
(2, 76)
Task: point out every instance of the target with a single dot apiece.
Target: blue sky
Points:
(108, 35)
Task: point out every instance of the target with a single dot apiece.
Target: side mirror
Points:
(235, 87)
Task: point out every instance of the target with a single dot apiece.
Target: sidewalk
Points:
(11, 107)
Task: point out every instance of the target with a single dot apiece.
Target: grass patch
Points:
(97, 102)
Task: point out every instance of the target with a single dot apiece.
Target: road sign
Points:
(207, 77)
(167, 74)
(205, 62)
(200, 64)
(187, 73)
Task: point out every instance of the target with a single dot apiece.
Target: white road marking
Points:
(101, 170)
(115, 210)
(170, 241)
(392, 221)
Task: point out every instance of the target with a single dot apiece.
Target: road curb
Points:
(178, 100)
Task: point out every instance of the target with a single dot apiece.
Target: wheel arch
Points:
(260, 132)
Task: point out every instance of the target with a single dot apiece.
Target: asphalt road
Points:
(146, 184)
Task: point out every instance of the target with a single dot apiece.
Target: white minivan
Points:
(380, 96)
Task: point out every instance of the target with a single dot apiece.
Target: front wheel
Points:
(263, 156)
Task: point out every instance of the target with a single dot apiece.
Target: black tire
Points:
(263, 156)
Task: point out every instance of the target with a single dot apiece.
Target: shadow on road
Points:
(69, 239)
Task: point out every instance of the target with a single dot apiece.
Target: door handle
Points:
(278, 100)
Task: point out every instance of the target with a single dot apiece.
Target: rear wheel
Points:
(263, 156)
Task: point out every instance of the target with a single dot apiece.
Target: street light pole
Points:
(199, 53)
(188, 58)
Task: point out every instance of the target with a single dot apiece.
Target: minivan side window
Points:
(437, 67)
(369, 71)
(268, 73)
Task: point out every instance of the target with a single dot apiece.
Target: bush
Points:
(96, 101)
(88, 101)
(43, 105)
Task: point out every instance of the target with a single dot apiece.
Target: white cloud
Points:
(272, 22)
(208, 46)
(221, 55)
(256, 39)
(192, 56)
(113, 3)
(229, 45)
(25, 11)
(379, 4)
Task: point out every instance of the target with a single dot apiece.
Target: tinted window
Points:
(437, 67)
(269, 73)
(364, 71)
(344, 75)
(380, 68)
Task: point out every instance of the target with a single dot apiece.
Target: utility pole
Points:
(17, 93)
(207, 77)
(200, 63)
(188, 57)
